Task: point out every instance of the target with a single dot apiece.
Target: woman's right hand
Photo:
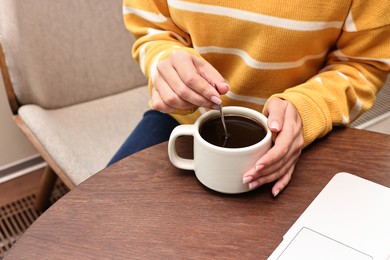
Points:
(185, 82)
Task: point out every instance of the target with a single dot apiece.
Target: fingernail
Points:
(216, 100)
(246, 180)
(252, 185)
(227, 85)
(259, 167)
(276, 192)
(275, 126)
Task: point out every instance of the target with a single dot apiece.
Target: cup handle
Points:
(179, 162)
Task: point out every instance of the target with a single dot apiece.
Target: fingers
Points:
(211, 75)
(170, 96)
(279, 162)
(283, 181)
(158, 103)
(181, 77)
(184, 81)
(275, 111)
(283, 149)
(269, 172)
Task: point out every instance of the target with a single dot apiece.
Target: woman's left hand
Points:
(279, 162)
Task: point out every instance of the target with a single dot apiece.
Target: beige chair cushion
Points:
(81, 92)
(92, 131)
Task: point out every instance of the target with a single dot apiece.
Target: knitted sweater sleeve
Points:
(355, 71)
(155, 32)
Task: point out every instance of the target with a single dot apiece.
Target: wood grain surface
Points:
(144, 208)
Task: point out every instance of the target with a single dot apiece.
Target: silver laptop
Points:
(348, 220)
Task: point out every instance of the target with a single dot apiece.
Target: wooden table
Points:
(144, 208)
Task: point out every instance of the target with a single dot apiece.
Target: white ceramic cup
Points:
(219, 168)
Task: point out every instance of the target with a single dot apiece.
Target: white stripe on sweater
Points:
(341, 56)
(254, 17)
(258, 64)
(153, 67)
(142, 57)
(350, 24)
(255, 100)
(355, 111)
(152, 32)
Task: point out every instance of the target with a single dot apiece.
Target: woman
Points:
(306, 65)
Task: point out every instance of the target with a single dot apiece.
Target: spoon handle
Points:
(223, 121)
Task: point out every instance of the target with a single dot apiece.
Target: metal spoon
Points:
(224, 125)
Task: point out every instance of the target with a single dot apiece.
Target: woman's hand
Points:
(185, 82)
(279, 162)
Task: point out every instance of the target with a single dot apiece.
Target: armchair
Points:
(72, 85)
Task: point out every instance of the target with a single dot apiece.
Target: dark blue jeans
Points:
(154, 128)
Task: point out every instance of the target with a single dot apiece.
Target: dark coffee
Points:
(242, 131)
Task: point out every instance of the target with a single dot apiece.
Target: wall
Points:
(14, 146)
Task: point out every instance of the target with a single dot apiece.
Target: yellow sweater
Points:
(328, 58)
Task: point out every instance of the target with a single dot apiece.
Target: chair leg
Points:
(46, 187)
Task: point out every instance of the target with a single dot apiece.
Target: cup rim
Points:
(234, 110)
